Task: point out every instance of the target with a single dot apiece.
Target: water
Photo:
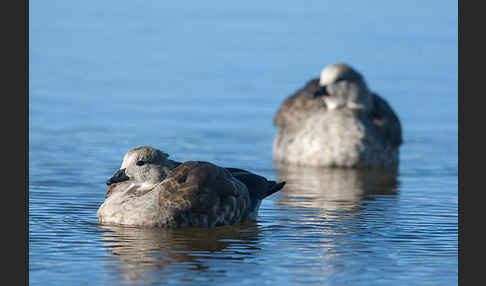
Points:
(201, 81)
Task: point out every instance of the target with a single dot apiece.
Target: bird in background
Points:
(336, 121)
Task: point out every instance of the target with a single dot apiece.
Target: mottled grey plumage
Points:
(151, 191)
(335, 121)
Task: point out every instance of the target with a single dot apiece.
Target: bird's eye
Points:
(140, 163)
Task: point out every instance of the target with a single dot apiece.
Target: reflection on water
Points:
(334, 199)
(333, 189)
(144, 252)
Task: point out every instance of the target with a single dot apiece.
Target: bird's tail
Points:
(273, 188)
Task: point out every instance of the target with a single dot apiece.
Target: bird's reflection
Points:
(334, 188)
(143, 254)
(334, 197)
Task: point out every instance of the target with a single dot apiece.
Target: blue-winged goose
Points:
(150, 190)
(335, 121)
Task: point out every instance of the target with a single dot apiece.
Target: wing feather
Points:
(298, 105)
(387, 122)
(202, 194)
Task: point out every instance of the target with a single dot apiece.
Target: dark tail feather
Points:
(274, 187)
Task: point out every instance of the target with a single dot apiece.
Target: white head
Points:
(142, 166)
(342, 86)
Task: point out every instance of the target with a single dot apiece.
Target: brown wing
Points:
(386, 121)
(201, 194)
(258, 187)
(298, 105)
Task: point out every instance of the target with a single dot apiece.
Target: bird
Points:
(336, 121)
(150, 190)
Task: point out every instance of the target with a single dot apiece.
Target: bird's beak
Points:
(119, 176)
(321, 91)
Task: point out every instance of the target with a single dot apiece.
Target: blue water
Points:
(202, 81)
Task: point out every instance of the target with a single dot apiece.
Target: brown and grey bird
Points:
(336, 121)
(150, 190)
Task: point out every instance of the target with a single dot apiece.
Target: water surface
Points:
(201, 81)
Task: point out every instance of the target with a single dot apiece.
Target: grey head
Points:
(343, 87)
(144, 166)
